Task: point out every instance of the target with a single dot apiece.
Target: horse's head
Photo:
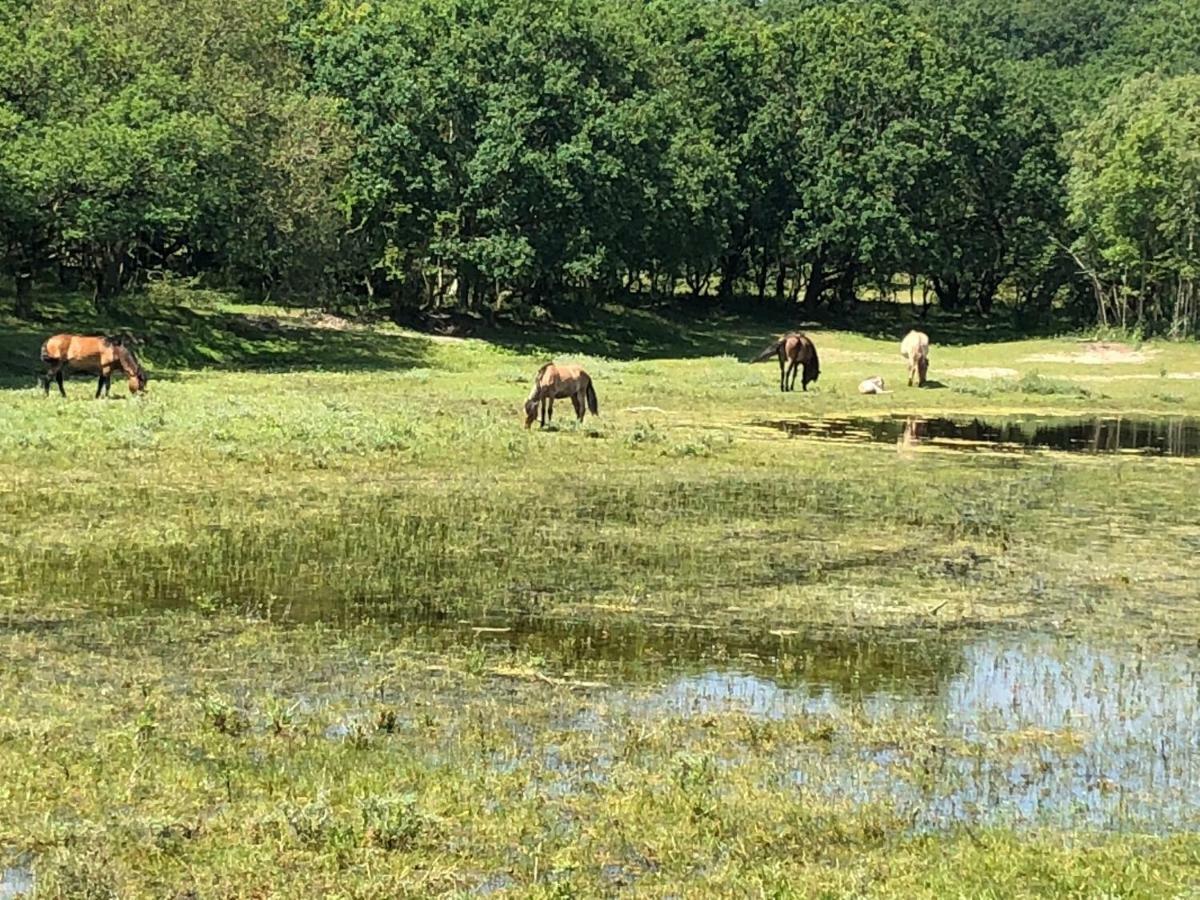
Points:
(531, 412)
(132, 367)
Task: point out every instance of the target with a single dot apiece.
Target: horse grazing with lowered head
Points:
(99, 356)
(795, 351)
(915, 348)
(554, 383)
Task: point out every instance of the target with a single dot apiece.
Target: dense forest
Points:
(487, 156)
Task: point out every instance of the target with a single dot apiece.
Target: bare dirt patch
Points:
(981, 372)
(1096, 353)
(328, 322)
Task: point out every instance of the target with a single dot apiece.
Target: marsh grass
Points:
(345, 627)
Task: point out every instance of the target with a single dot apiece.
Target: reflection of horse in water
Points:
(554, 383)
(912, 434)
(795, 351)
(915, 348)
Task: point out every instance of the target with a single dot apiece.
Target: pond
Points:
(1151, 436)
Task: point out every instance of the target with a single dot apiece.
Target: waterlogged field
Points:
(316, 615)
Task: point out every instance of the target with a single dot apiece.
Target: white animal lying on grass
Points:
(873, 385)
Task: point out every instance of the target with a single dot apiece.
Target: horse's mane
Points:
(124, 350)
(541, 371)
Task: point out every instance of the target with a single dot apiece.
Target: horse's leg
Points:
(59, 378)
(543, 402)
(99, 385)
(550, 410)
(577, 402)
(782, 372)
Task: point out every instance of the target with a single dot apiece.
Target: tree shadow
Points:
(645, 331)
(184, 337)
(742, 327)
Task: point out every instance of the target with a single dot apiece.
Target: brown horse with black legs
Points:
(99, 356)
(795, 352)
(554, 383)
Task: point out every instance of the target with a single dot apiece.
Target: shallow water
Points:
(16, 880)
(1030, 729)
(1035, 730)
(853, 663)
(1159, 436)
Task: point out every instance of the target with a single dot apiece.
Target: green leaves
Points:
(1135, 198)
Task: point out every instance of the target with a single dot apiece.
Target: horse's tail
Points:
(592, 402)
(773, 350)
(45, 354)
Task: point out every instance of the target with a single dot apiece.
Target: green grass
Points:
(237, 612)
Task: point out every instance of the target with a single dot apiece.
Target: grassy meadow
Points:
(316, 615)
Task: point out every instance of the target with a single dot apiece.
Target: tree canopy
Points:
(489, 155)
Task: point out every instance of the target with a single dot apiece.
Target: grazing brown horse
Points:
(555, 382)
(794, 350)
(915, 348)
(99, 356)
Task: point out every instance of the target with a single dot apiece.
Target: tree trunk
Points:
(108, 270)
(949, 292)
(760, 277)
(815, 285)
(731, 267)
(408, 297)
(845, 286)
(24, 304)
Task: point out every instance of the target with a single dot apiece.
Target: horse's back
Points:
(75, 350)
(915, 343)
(562, 377)
(56, 347)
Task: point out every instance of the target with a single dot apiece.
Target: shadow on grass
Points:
(203, 337)
(200, 330)
(742, 328)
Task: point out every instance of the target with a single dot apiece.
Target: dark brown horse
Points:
(99, 356)
(794, 350)
(554, 383)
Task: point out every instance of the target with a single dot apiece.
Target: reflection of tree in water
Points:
(851, 664)
(1167, 436)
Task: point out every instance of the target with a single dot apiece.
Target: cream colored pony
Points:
(915, 348)
(554, 383)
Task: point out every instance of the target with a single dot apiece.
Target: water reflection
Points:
(16, 880)
(1163, 436)
(1034, 731)
(853, 664)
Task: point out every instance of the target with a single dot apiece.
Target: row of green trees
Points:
(489, 154)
